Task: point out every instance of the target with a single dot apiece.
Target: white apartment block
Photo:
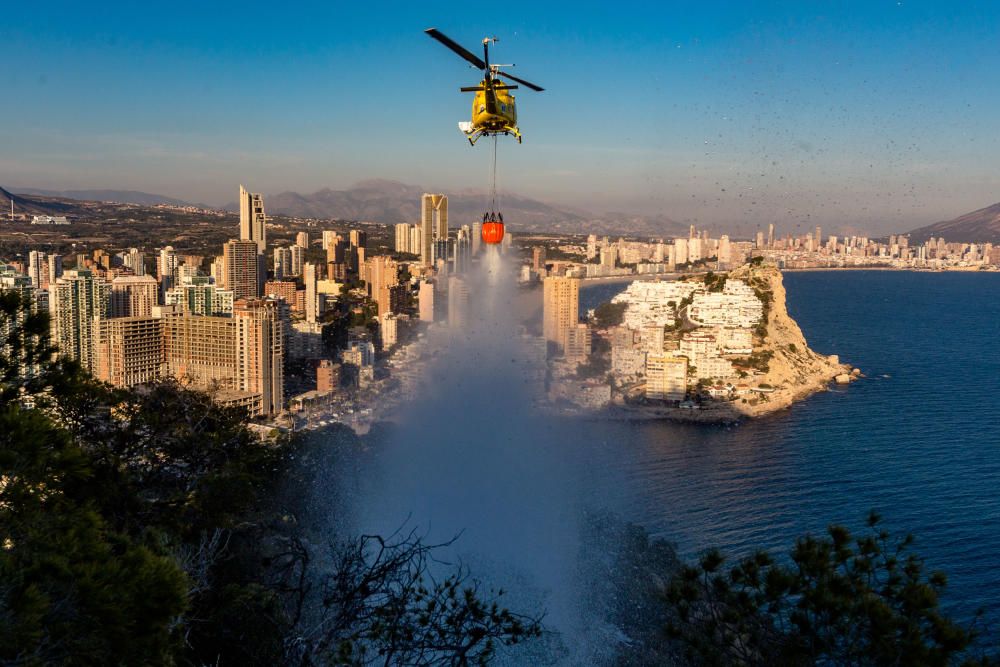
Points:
(735, 306)
(733, 340)
(649, 302)
(626, 362)
(702, 351)
(666, 377)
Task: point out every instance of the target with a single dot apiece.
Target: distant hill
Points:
(382, 201)
(123, 196)
(35, 204)
(392, 202)
(982, 226)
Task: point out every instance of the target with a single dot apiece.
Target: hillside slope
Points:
(36, 205)
(982, 226)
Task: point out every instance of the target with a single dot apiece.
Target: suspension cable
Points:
(493, 189)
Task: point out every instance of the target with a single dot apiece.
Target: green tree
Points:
(609, 314)
(73, 589)
(837, 600)
(148, 526)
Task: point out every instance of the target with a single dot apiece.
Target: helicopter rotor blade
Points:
(521, 81)
(456, 47)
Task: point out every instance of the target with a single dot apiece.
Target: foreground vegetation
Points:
(150, 527)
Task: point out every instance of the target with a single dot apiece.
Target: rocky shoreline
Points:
(794, 371)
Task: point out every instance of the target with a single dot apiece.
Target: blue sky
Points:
(877, 115)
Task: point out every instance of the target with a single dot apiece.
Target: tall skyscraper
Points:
(241, 268)
(253, 223)
(609, 255)
(578, 344)
(389, 328)
(302, 240)
(133, 260)
(260, 349)
(166, 267)
(130, 349)
(382, 274)
(440, 250)
(359, 238)
(770, 235)
(694, 248)
(12, 280)
(218, 270)
(458, 303)
(477, 237)
(433, 224)
(37, 267)
(313, 305)
(56, 267)
(463, 250)
(282, 263)
(560, 308)
(416, 239)
(538, 258)
(725, 254)
(402, 237)
(134, 296)
(425, 300)
(357, 258)
(329, 237)
(336, 251)
(298, 257)
(78, 302)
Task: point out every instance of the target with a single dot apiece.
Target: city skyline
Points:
(863, 117)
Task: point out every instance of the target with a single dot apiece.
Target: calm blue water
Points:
(918, 440)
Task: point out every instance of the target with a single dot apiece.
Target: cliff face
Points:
(793, 370)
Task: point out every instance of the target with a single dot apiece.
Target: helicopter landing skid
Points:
(474, 135)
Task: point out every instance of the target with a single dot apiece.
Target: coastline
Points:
(906, 269)
(793, 373)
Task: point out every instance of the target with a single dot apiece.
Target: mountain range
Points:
(123, 196)
(394, 202)
(982, 226)
(36, 204)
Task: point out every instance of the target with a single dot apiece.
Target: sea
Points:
(917, 439)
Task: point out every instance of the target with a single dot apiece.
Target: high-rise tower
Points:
(78, 301)
(133, 296)
(433, 224)
(560, 308)
(260, 350)
(252, 219)
(241, 268)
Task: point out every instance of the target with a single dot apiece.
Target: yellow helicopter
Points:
(493, 109)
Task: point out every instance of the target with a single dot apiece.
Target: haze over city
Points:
(866, 117)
